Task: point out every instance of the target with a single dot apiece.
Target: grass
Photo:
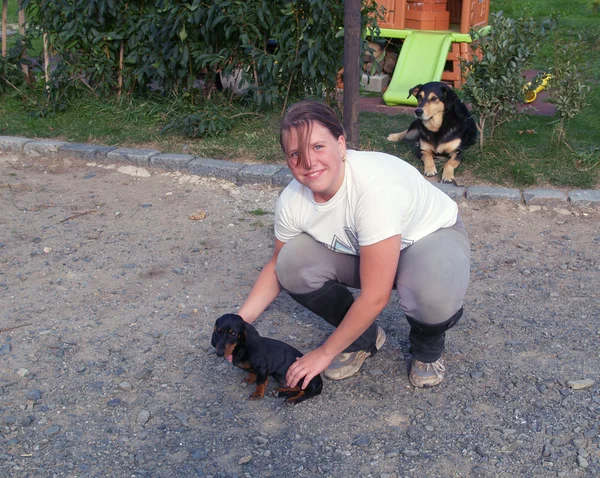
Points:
(520, 155)
(258, 212)
(12, 15)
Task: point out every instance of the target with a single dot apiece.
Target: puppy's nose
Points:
(419, 112)
(220, 353)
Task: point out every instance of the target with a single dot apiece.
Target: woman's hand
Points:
(308, 366)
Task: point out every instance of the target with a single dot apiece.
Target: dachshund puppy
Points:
(240, 343)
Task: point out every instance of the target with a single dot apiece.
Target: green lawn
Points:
(513, 158)
(12, 16)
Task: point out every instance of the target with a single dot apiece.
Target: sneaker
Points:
(426, 374)
(345, 365)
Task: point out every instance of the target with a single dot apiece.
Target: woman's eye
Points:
(318, 146)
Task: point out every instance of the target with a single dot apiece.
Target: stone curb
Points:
(271, 174)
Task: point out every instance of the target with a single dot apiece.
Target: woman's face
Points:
(324, 154)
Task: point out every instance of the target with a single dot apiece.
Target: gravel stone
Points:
(125, 386)
(52, 430)
(10, 420)
(582, 462)
(34, 395)
(143, 417)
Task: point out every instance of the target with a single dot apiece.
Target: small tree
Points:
(567, 86)
(494, 81)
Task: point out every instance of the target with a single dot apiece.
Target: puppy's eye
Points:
(435, 98)
(232, 332)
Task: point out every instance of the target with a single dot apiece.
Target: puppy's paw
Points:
(448, 179)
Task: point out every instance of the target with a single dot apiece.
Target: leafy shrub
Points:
(210, 120)
(283, 48)
(12, 77)
(567, 86)
(494, 81)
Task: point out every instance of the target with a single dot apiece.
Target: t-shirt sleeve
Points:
(285, 225)
(380, 214)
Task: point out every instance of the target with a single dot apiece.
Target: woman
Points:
(369, 221)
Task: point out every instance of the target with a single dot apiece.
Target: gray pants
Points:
(431, 279)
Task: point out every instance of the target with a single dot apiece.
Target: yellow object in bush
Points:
(531, 95)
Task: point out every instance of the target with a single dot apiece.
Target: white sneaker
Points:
(426, 374)
(345, 365)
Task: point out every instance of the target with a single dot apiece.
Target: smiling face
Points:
(315, 157)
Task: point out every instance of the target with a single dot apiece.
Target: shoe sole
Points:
(416, 384)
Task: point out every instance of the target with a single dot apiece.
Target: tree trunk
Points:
(4, 25)
(352, 59)
(22, 32)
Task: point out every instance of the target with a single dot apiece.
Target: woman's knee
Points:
(296, 269)
(429, 307)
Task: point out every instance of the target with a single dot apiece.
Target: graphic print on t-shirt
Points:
(337, 245)
(406, 243)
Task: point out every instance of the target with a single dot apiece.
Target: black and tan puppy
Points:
(443, 127)
(240, 343)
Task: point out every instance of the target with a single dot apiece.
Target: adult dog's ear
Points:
(251, 336)
(450, 97)
(414, 91)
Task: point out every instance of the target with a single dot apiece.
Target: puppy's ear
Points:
(251, 336)
(414, 91)
(450, 97)
(213, 340)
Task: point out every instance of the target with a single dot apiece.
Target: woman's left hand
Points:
(307, 366)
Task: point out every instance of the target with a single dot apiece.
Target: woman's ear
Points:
(342, 145)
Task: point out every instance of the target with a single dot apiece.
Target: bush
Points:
(282, 48)
(567, 86)
(12, 77)
(494, 81)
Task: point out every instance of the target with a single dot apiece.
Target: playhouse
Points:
(434, 35)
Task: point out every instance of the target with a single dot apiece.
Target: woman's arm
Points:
(265, 289)
(378, 266)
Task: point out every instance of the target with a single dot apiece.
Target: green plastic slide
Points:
(422, 59)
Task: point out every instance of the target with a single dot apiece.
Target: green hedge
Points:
(284, 48)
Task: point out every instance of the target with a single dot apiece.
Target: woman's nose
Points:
(310, 160)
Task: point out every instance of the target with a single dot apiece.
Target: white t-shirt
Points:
(381, 196)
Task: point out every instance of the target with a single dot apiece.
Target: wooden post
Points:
(22, 32)
(4, 25)
(121, 53)
(352, 70)
(46, 58)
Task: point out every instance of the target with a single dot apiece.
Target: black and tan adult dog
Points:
(240, 343)
(443, 127)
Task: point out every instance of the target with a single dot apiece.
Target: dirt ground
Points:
(109, 292)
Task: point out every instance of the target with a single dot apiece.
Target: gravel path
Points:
(109, 292)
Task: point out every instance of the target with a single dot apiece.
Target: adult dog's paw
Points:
(395, 137)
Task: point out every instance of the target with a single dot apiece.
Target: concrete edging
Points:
(271, 174)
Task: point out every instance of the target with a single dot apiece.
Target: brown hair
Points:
(301, 117)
